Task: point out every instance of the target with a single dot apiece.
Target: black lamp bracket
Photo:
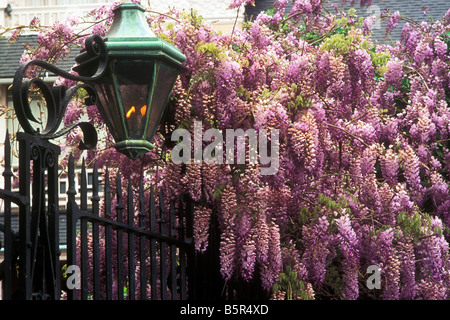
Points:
(92, 63)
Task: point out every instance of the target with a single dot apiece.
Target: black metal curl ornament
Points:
(57, 98)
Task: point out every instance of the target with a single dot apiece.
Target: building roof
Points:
(411, 9)
(11, 53)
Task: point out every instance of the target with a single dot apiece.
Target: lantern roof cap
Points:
(130, 34)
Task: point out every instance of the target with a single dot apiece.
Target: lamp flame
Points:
(133, 110)
(143, 110)
(130, 112)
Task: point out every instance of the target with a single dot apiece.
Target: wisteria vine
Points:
(364, 147)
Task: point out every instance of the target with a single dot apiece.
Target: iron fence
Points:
(125, 242)
(151, 247)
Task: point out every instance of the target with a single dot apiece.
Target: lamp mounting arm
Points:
(92, 61)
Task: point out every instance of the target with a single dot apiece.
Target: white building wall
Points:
(49, 11)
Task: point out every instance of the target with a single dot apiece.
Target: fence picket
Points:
(131, 256)
(182, 250)
(95, 233)
(120, 262)
(163, 249)
(108, 239)
(8, 246)
(173, 253)
(84, 234)
(142, 244)
(72, 218)
(153, 259)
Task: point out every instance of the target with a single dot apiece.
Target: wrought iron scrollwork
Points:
(92, 63)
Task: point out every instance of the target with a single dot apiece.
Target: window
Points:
(62, 187)
(36, 3)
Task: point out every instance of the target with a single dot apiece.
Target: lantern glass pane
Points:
(165, 80)
(109, 108)
(135, 80)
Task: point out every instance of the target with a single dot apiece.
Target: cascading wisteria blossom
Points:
(364, 161)
(432, 253)
(349, 245)
(316, 242)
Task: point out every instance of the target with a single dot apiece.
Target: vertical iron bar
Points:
(37, 210)
(119, 211)
(8, 245)
(25, 280)
(182, 249)
(173, 252)
(131, 262)
(72, 218)
(96, 234)
(142, 242)
(191, 257)
(163, 248)
(153, 259)
(53, 223)
(84, 234)
(108, 238)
